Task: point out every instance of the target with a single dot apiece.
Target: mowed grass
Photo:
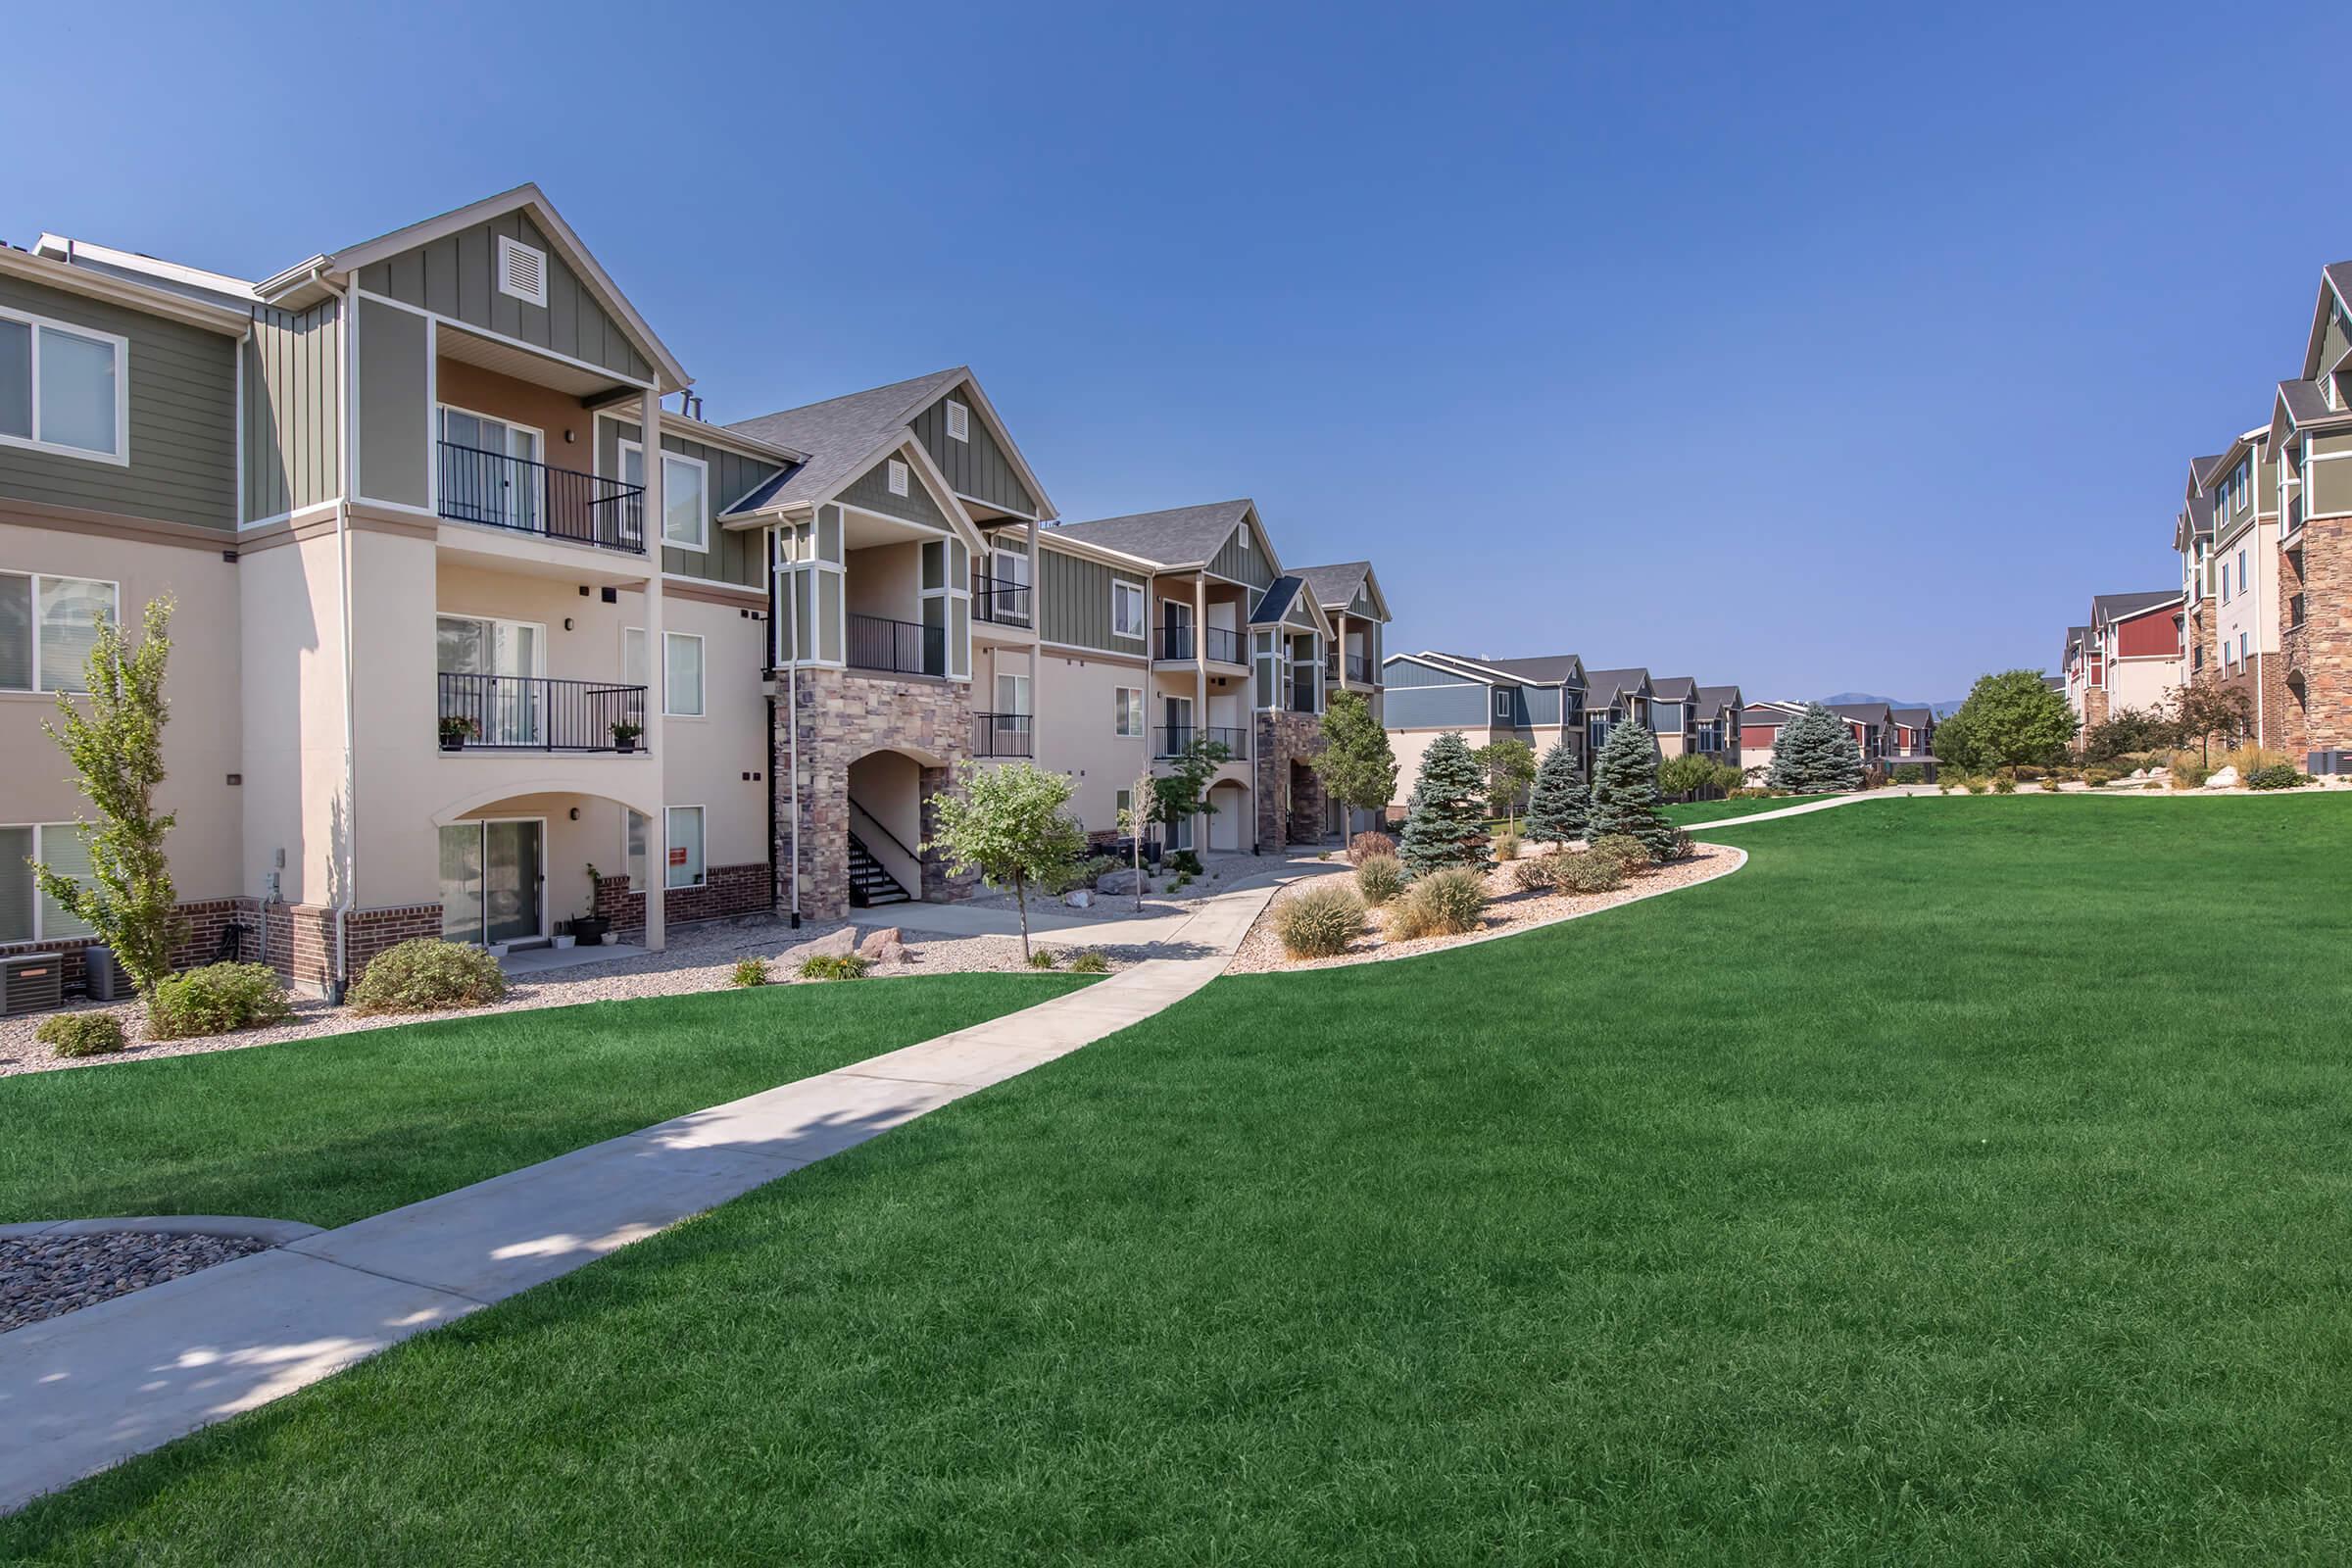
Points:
(1691, 814)
(1962, 1182)
(329, 1131)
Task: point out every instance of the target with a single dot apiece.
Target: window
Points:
(64, 389)
(28, 914)
(632, 847)
(1124, 802)
(2241, 572)
(1130, 711)
(1012, 694)
(522, 272)
(685, 496)
(2241, 647)
(685, 861)
(1502, 703)
(682, 674)
(959, 422)
(1126, 609)
(47, 628)
(897, 477)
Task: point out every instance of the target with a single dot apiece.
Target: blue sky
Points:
(1842, 349)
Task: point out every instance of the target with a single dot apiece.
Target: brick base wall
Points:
(297, 939)
(199, 944)
(726, 892)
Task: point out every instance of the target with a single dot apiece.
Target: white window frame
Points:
(702, 511)
(507, 246)
(1122, 591)
(40, 933)
(1122, 710)
(701, 675)
(959, 422)
(120, 456)
(668, 839)
(40, 677)
(896, 476)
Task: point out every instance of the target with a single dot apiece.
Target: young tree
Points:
(114, 739)
(1686, 775)
(1555, 808)
(1445, 822)
(1181, 793)
(1625, 791)
(1133, 819)
(1509, 766)
(2202, 712)
(1356, 764)
(2009, 719)
(1007, 823)
(1816, 752)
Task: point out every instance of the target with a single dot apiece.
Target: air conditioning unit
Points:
(34, 982)
(2323, 765)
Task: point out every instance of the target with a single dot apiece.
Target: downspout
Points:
(786, 601)
(347, 896)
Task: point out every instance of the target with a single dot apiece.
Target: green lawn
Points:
(1697, 811)
(1962, 1182)
(328, 1131)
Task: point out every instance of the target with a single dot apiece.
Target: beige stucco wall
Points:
(1077, 731)
(884, 580)
(289, 623)
(2142, 682)
(202, 740)
(704, 761)
(1410, 745)
(2257, 611)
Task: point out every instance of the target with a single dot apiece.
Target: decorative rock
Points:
(1078, 899)
(1115, 882)
(881, 942)
(832, 944)
(2223, 778)
(41, 1276)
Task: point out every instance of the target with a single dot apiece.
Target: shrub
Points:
(1369, 845)
(218, 998)
(1042, 958)
(1538, 873)
(1442, 903)
(1380, 878)
(2026, 773)
(1627, 854)
(1507, 846)
(81, 1034)
(748, 972)
(1320, 921)
(1091, 961)
(2050, 786)
(1186, 862)
(1874, 777)
(2097, 777)
(426, 974)
(1684, 846)
(1910, 774)
(2277, 776)
(1568, 871)
(2004, 782)
(833, 966)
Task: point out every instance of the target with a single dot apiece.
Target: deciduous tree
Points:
(1007, 822)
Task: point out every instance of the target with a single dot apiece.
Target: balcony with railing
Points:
(895, 647)
(532, 713)
(1004, 735)
(1183, 644)
(498, 490)
(1175, 740)
(1001, 603)
(1353, 668)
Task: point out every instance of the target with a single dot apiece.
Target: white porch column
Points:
(657, 833)
(1201, 692)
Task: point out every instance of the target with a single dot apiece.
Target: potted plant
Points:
(590, 928)
(624, 735)
(456, 730)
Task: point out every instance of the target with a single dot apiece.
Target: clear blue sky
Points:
(1853, 349)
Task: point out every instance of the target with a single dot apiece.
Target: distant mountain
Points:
(1940, 709)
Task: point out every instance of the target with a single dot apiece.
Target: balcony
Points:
(1004, 735)
(1177, 739)
(503, 492)
(1001, 603)
(530, 713)
(1215, 643)
(1352, 667)
(898, 647)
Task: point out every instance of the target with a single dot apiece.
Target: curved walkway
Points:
(91, 1389)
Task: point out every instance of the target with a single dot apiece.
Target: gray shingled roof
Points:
(1181, 536)
(1608, 684)
(1334, 587)
(1674, 688)
(1713, 699)
(1916, 717)
(2073, 635)
(839, 435)
(2121, 607)
(2303, 406)
(2201, 470)
(2056, 683)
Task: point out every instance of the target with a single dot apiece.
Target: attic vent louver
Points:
(959, 422)
(522, 272)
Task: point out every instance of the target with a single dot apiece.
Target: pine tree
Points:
(1625, 791)
(1556, 812)
(1445, 822)
(1816, 753)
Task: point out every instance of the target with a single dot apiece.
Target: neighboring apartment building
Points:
(2311, 432)
(1887, 736)
(2234, 610)
(451, 657)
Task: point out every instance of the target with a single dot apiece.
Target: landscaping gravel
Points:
(1508, 911)
(41, 1276)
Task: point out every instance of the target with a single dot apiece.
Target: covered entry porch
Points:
(557, 870)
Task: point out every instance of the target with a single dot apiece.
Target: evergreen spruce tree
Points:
(1816, 753)
(1556, 812)
(1625, 791)
(1445, 822)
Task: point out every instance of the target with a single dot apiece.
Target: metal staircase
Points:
(870, 883)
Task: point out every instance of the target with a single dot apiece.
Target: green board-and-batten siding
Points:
(393, 353)
(1074, 602)
(183, 419)
(293, 400)
(977, 468)
(871, 491)
(1242, 566)
(734, 555)
(456, 276)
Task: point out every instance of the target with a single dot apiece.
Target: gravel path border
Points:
(62, 1271)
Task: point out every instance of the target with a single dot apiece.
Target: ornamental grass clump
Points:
(1444, 903)
(1091, 960)
(748, 972)
(833, 966)
(426, 974)
(217, 999)
(1380, 878)
(1319, 922)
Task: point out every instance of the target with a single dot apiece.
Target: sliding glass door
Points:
(494, 881)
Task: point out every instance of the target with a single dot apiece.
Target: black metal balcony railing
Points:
(530, 713)
(1303, 692)
(1355, 666)
(901, 647)
(490, 487)
(1215, 643)
(1176, 739)
(1004, 735)
(998, 601)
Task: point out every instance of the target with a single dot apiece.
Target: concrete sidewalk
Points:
(92, 1388)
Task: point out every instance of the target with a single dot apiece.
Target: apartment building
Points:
(2311, 432)
(1888, 735)
(2128, 656)
(451, 656)
(2234, 574)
